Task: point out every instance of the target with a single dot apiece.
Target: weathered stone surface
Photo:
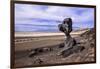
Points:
(38, 61)
(71, 50)
(46, 49)
(61, 45)
(32, 53)
(66, 28)
(36, 51)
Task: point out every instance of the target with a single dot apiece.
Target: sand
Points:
(25, 42)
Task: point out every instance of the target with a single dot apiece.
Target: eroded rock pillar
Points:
(66, 28)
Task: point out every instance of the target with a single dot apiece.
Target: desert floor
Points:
(49, 46)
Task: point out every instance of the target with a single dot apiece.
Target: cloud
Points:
(52, 15)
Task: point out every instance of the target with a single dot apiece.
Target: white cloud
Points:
(24, 12)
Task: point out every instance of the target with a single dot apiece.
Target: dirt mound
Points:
(90, 33)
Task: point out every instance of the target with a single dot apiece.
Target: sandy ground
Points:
(38, 34)
(24, 46)
(36, 42)
(25, 40)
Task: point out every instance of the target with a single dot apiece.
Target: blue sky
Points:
(43, 18)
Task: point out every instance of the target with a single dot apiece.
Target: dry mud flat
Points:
(48, 47)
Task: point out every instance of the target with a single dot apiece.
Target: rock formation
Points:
(66, 28)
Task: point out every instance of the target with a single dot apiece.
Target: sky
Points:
(45, 18)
